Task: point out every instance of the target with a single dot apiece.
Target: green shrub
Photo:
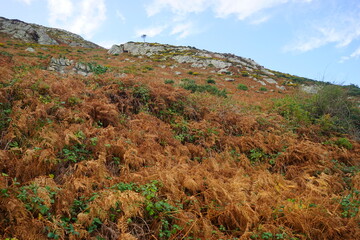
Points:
(193, 73)
(97, 69)
(333, 101)
(210, 81)
(294, 110)
(330, 108)
(168, 81)
(242, 87)
(245, 74)
(263, 89)
(344, 142)
(193, 87)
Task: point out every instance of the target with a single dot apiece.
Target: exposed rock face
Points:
(64, 65)
(42, 35)
(198, 58)
(312, 89)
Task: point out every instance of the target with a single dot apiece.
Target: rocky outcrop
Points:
(64, 65)
(34, 33)
(196, 57)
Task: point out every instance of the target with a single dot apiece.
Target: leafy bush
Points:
(210, 81)
(193, 87)
(263, 89)
(344, 142)
(98, 69)
(330, 108)
(169, 81)
(242, 87)
(245, 74)
(333, 101)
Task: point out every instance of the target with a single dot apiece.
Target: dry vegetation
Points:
(126, 156)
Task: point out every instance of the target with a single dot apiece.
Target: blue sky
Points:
(318, 39)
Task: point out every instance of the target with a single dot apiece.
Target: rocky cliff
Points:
(43, 35)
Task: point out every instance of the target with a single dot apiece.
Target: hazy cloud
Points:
(340, 29)
(28, 2)
(183, 29)
(354, 55)
(81, 17)
(120, 16)
(242, 9)
(150, 31)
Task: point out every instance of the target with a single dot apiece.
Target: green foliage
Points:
(242, 87)
(352, 90)
(294, 78)
(193, 87)
(98, 69)
(257, 155)
(263, 89)
(293, 109)
(193, 73)
(155, 207)
(72, 101)
(75, 153)
(5, 111)
(330, 108)
(210, 81)
(344, 142)
(350, 204)
(29, 195)
(333, 101)
(245, 74)
(169, 81)
(141, 92)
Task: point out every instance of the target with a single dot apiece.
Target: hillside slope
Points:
(124, 146)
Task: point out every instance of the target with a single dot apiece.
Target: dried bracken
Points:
(116, 156)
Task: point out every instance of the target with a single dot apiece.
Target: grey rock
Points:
(30, 49)
(261, 82)
(281, 87)
(178, 73)
(229, 79)
(267, 72)
(115, 49)
(312, 89)
(42, 35)
(270, 80)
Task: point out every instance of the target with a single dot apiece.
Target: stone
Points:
(261, 82)
(115, 49)
(229, 79)
(178, 73)
(270, 80)
(30, 49)
(281, 87)
(312, 89)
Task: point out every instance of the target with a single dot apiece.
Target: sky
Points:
(317, 39)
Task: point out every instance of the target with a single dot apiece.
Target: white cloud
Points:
(183, 29)
(355, 55)
(222, 8)
(28, 2)
(82, 17)
(120, 16)
(339, 29)
(150, 31)
(177, 6)
(59, 10)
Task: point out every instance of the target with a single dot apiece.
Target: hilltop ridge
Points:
(43, 35)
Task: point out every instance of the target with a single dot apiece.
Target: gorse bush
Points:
(193, 87)
(330, 108)
(242, 87)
